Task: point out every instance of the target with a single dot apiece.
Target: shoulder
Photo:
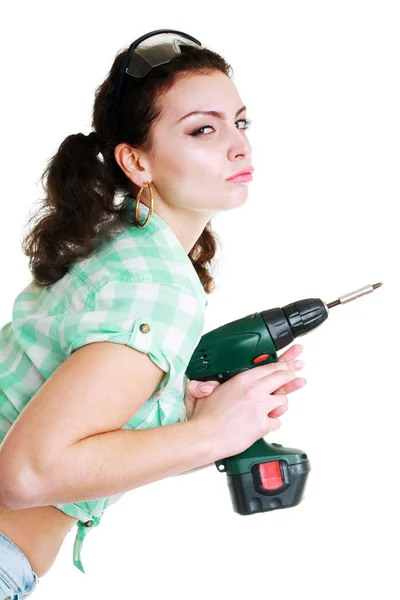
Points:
(133, 254)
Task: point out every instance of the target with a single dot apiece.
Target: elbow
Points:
(18, 489)
(8, 495)
(9, 501)
(5, 498)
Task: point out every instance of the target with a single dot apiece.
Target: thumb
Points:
(206, 387)
(201, 387)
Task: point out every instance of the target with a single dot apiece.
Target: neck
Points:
(187, 225)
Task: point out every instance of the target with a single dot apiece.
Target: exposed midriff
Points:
(38, 532)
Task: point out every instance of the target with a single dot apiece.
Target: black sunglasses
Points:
(143, 55)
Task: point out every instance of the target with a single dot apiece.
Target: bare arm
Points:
(114, 462)
(68, 445)
(196, 469)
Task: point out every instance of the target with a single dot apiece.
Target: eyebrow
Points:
(212, 113)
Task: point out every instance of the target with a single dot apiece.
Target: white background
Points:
(321, 81)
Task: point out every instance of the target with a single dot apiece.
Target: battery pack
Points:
(253, 492)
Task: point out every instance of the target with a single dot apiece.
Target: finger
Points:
(278, 412)
(274, 424)
(273, 381)
(258, 373)
(275, 402)
(292, 352)
(194, 384)
(292, 386)
(204, 388)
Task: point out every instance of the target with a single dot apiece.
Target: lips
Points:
(246, 171)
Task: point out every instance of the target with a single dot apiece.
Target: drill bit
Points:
(353, 295)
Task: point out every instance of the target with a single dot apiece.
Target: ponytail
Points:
(79, 183)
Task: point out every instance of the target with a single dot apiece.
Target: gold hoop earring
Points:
(148, 184)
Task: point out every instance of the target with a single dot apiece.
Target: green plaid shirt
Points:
(140, 276)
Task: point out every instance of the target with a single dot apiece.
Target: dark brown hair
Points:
(82, 180)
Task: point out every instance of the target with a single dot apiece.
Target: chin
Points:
(236, 200)
(226, 202)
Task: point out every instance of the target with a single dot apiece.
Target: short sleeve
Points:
(158, 319)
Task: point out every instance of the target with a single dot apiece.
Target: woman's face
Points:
(193, 156)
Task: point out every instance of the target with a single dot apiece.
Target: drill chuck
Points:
(298, 318)
(293, 320)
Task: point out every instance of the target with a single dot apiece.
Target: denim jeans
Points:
(17, 579)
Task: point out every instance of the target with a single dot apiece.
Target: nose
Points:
(240, 146)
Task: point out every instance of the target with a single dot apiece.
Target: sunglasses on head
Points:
(151, 50)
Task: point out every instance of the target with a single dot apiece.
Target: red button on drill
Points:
(260, 358)
(271, 477)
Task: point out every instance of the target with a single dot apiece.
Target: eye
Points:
(197, 132)
(247, 123)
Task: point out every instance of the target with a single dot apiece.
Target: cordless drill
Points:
(265, 476)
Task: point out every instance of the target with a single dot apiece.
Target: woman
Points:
(122, 256)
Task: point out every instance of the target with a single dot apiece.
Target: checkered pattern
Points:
(142, 277)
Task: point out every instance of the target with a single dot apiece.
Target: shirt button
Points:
(145, 328)
(89, 523)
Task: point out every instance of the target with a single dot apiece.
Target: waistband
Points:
(15, 567)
